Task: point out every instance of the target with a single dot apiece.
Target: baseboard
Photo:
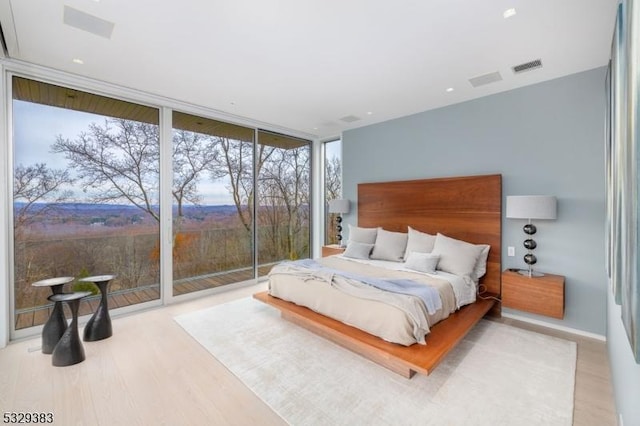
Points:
(556, 327)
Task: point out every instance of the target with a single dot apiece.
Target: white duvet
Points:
(463, 287)
(392, 317)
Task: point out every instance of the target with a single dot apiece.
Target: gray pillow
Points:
(357, 250)
(423, 262)
(362, 235)
(456, 256)
(389, 246)
(420, 242)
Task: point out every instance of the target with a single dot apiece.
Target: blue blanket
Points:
(429, 295)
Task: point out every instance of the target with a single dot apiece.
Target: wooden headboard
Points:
(468, 208)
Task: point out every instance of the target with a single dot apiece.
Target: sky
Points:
(333, 149)
(36, 126)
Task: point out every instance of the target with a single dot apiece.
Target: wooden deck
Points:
(38, 315)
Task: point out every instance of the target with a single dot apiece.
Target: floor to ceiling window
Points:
(212, 203)
(283, 170)
(87, 173)
(332, 186)
(85, 196)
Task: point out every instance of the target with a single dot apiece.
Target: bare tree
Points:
(37, 189)
(120, 161)
(193, 154)
(333, 178)
(236, 161)
(333, 190)
(38, 184)
(284, 194)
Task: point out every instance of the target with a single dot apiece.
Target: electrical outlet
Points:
(511, 251)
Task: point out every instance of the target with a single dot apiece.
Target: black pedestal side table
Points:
(99, 326)
(57, 323)
(69, 349)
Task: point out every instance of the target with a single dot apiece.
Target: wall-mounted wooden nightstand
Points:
(332, 249)
(539, 295)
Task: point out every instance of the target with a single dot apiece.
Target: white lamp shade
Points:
(531, 207)
(339, 205)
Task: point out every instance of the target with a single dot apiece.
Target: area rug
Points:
(498, 375)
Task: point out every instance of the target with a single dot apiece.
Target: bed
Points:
(462, 208)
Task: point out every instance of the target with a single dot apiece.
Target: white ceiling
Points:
(305, 64)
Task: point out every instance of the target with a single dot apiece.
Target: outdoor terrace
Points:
(38, 315)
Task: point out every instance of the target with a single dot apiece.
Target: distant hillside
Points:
(99, 209)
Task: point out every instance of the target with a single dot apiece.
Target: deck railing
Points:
(37, 315)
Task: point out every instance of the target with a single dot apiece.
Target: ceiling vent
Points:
(481, 80)
(527, 66)
(83, 21)
(350, 119)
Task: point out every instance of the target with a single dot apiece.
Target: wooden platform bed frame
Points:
(468, 208)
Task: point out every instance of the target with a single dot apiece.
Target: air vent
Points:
(528, 66)
(350, 119)
(83, 21)
(481, 80)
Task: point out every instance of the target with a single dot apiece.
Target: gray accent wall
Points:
(545, 139)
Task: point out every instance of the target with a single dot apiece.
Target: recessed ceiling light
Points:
(369, 112)
(509, 13)
(450, 89)
(78, 61)
(315, 128)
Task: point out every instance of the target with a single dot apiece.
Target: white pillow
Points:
(362, 235)
(423, 262)
(389, 246)
(357, 250)
(456, 256)
(481, 265)
(419, 241)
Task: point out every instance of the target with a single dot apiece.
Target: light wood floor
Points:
(152, 372)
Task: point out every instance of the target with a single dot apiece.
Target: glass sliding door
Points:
(212, 203)
(86, 199)
(283, 170)
(85, 196)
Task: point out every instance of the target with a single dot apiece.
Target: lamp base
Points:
(531, 274)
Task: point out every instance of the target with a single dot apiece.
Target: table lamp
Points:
(339, 206)
(531, 207)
